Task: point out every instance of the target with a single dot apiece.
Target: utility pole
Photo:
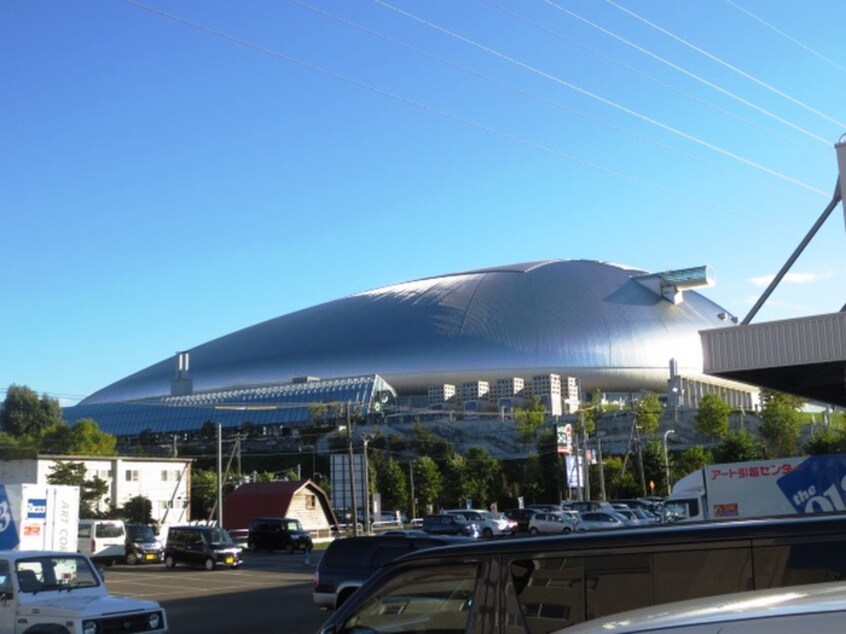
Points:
(220, 475)
(413, 499)
(352, 472)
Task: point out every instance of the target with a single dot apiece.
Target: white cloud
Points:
(793, 278)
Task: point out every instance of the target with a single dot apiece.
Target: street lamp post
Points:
(667, 458)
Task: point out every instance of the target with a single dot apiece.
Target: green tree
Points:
(619, 483)
(781, 424)
(738, 446)
(86, 439)
(713, 416)
(693, 458)
(482, 472)
(25, 414)
(457, 485)
(593, 411)
(203, 493)
(91, 491)
(827, 440)
(428, 481)
(137, 510)
(648, 413)
(391, 484)
(528, 419)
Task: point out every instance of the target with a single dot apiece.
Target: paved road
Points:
(270, 592)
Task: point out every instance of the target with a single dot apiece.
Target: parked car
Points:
(450, 524)
(348, 562)
(206, 546)
(583, 506)
(522, 517)
(551, 523)
(102, 540)
(601, 520)
(819, 607)
(277, 533)
(545, 508)
(489, 524)
(547, 583)
(48, 591)
(632, 516)
(143, 545)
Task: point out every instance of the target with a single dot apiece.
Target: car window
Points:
(345, 553)
(419, 599)
(545, 594)
(388, 552)
(109, 530)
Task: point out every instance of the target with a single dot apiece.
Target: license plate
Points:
(149, 556)
(229, 560)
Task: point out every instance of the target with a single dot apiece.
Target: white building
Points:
(166, 482)
(441, 394)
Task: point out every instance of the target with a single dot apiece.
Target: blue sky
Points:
(175, 171)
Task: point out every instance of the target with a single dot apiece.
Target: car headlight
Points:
(89, 627)
(154, 621)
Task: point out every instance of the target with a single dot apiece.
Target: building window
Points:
(132, 475)
(311, 502)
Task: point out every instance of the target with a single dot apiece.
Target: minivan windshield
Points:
(140, 533)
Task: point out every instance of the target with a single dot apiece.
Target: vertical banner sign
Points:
(564, 439)
(8, 529)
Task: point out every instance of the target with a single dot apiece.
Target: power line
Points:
(692, 75)
(636, 71)
(725, 64)
(788, 37)
(604, 100)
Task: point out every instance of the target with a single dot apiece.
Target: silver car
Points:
(814, 607)
(602, 520)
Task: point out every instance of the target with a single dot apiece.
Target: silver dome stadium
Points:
(614, 328)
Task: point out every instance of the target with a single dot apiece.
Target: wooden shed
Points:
(298, 499)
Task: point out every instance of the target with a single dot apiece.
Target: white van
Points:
(104, 541)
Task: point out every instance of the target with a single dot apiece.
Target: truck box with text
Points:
(39, 517)
(760, 488)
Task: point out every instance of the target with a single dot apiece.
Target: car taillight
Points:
(315, 579)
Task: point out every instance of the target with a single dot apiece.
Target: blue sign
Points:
(8, 530)
(817, 484)
(36, 508)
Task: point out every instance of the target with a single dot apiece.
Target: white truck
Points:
(38, 517)
(783, 486)
(55, 592)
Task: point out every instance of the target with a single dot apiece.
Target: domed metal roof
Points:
(591, 320)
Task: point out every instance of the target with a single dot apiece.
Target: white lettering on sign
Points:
(5, 516)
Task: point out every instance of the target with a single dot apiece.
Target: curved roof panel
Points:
(587, 319)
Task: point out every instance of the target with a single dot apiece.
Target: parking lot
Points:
(270, 592)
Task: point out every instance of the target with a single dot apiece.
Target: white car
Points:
(47, 591)
(814, 607)
(487, 522)
(601, 520)
(551, 523)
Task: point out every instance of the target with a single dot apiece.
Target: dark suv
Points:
(277, 533)
(348, 562)
(205, 546)
(450, 524)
